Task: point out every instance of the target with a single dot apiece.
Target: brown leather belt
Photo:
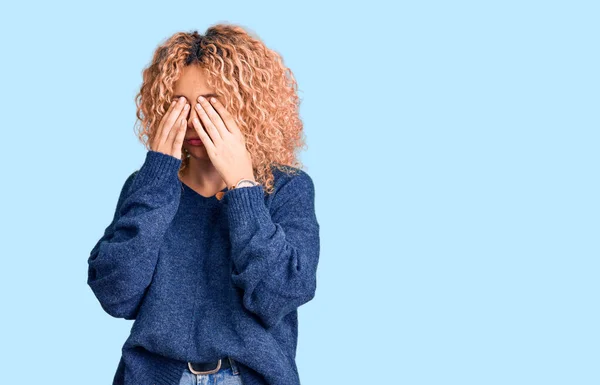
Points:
(205, 367)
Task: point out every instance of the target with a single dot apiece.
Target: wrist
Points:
(242, 182)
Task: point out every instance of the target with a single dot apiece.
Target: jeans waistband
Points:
(204, 368)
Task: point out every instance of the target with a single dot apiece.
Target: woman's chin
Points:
(198, 152)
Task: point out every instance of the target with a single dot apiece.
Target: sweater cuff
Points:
(246, 205)
(157, 166)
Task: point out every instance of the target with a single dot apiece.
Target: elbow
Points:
(272, 294)
(126, 311)
(272, 318)
(117, 306)
(271, 307)
(116, 297)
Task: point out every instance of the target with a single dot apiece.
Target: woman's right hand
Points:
(171, 130)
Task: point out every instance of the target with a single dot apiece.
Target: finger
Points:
(206, 140)
(178, 137)
(211, 129)
(157, 139)
(214, 117)
(225, 116)
(161, 124)
(171, 106)
(174, 131)
(171, 118)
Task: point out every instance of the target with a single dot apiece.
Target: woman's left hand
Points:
(224, 141)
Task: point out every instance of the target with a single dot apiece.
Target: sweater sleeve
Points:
(275, 251)
(122, 263)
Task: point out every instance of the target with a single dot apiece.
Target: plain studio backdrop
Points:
(454, 150)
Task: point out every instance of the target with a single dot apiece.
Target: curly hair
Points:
(251, 80)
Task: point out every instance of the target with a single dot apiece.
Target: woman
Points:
(214, 243)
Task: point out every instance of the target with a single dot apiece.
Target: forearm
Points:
(121, 264)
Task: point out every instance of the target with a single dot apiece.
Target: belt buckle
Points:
(208, 371)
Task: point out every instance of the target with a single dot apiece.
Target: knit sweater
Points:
(204, 278)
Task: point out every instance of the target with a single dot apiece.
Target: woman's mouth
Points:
(194, 142)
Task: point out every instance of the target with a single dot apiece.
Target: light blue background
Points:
(454, 149)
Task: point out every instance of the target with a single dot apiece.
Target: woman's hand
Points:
(224, 141)
(171, 130)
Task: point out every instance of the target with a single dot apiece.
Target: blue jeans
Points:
(227, 376)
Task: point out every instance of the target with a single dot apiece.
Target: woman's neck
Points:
(204, 179)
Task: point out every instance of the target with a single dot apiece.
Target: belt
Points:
(205, 367)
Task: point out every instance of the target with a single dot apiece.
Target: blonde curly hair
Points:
(252, 82)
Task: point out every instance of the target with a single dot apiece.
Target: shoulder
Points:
(127, 185)
(294, 191)
(129, 180)
(291, 180)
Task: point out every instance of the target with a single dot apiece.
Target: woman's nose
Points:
(191, 116)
